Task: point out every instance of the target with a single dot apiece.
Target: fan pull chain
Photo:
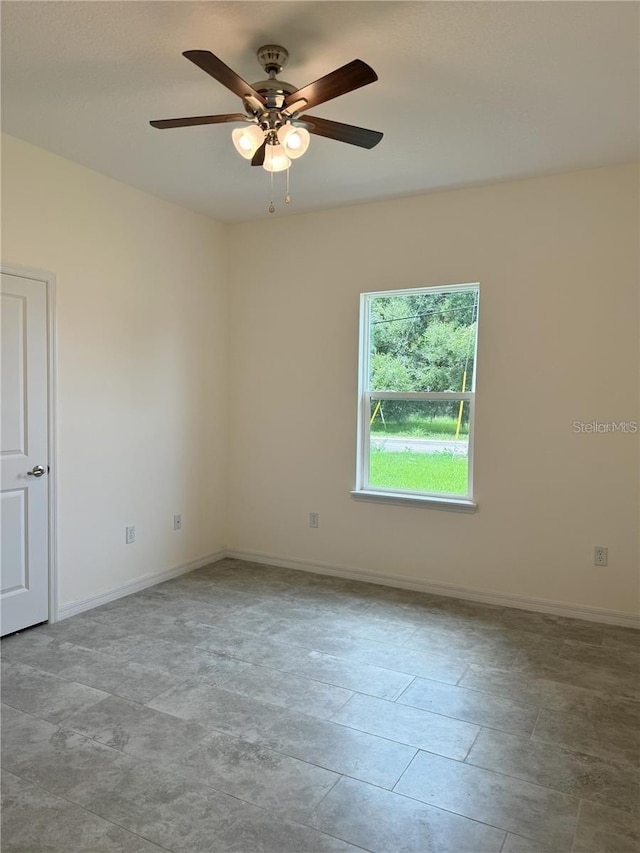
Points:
(287, 198)
(272, 207)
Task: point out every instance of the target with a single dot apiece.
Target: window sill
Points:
(452, 504)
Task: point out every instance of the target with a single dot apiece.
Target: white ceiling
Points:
(468, 92)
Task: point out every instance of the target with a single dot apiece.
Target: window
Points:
(416, 395)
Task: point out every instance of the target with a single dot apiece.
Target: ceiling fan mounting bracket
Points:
(272, 57)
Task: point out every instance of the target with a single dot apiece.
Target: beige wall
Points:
(556, 259)
(141, 317)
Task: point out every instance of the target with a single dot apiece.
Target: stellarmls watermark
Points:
(605, 426)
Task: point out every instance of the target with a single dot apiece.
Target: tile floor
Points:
(255, 709)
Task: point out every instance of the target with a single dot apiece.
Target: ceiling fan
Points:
(276, 126)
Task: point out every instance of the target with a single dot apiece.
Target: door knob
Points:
(38, 471)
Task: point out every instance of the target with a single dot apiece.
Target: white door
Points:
(24, 571)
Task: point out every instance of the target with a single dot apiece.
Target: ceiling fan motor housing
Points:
(274, 92)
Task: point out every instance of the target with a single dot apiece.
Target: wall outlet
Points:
(177, 522)
(314, 519)
(130, 534)
(600, 555)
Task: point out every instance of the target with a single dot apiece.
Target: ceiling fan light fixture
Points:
(247, 140)
(275, 158)
(295, 140)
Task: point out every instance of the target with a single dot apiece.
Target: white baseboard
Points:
(82, 604)
(540, 605)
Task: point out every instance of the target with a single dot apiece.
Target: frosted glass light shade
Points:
(294, 139)
(275, 159)
(247, 140)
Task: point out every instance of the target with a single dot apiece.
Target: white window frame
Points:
(363, 490)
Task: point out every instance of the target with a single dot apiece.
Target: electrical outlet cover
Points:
(600, 555)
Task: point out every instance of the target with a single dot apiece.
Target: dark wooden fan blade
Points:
(258, 157)
(193, 120)
(222, 73)
(348, 133)
(338, 82)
